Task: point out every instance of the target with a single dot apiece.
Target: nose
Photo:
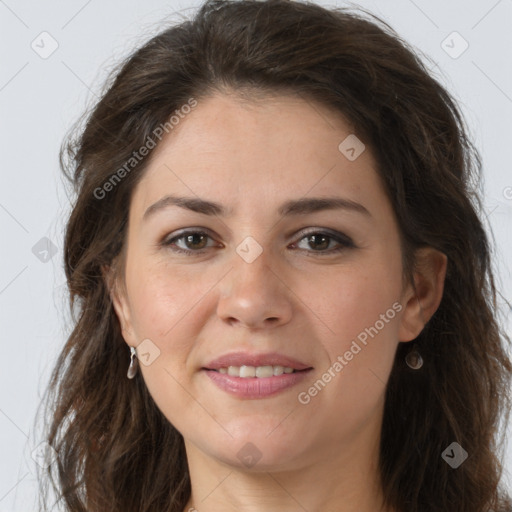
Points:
(253, 295)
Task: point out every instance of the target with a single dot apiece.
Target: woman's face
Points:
(274, 273)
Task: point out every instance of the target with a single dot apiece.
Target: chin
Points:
(254, 449)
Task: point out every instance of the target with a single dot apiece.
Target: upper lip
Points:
(247, 359)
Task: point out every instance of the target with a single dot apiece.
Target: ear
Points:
(120, 303)
(421, 303)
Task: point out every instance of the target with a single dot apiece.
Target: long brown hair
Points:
(115, 449)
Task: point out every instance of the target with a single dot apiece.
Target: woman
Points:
(276, 239)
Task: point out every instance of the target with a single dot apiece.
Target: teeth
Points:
(255, 371)
(278, 370)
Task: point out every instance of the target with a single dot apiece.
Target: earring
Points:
(414, 360)
(134, 364)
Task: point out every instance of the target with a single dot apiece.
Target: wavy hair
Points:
(115, 449)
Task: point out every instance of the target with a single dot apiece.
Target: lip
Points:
(255, 387)
(247, 359)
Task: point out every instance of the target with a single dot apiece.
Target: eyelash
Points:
(345, 241)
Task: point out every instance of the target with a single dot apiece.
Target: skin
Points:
(252, 157)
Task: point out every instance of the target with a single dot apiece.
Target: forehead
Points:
(255, 153)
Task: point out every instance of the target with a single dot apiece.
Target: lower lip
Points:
(255, 387)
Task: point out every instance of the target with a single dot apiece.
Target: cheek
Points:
(160, 297)
(351, 383)
(362, 310)
(165, 309)
(355, 298)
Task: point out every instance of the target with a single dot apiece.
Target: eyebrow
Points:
(301, 206)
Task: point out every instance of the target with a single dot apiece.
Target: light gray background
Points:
(41, 97)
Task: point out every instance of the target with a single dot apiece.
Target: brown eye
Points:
(320, 241)
(195, 241)
(191, 242)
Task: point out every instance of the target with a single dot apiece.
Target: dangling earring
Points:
(413, 359)
(134, 364)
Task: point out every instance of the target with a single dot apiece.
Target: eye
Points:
(195, 242)
(318, 241)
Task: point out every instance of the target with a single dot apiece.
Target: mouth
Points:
(255, 382)
(247, 375)
(260, 372)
